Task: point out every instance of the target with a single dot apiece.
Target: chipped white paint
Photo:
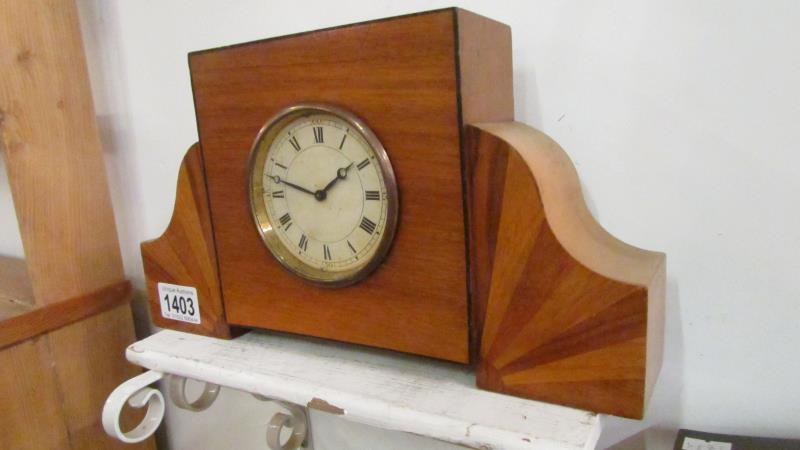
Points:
(382, 389)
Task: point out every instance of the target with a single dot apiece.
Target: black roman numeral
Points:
(277, 194)
(351, 247)
(303, 244)
(341, 144)
(281, 165)
(363, 164)
(326, 252)
(372, 195)
(285, 219)
(367, 225)
(295, 144)
(318, 135)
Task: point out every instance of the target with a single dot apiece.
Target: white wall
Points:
(10, 239)
(680, 117)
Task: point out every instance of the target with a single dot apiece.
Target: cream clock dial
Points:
(323, 194)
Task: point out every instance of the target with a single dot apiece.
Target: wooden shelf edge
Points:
(42, 319)
(378, 388)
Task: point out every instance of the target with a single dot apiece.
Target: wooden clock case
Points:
(496, 260)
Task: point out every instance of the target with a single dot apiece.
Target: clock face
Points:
(323, 194)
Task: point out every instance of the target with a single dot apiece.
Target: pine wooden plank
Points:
(53, 155)
(31, 412)
(89, 365)
(50, 141)
(52, 394)
(374, 387)
(32, 320)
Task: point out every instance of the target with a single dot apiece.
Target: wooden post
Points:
(65, 324)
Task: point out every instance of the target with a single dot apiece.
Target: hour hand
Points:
(341, 174)
(280, 180)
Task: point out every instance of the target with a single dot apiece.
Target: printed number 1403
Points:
(179, 302)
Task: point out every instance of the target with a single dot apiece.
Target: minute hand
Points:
(279, 180)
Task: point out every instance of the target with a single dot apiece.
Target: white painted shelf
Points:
(378, 388)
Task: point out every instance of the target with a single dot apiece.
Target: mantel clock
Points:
(368, 184)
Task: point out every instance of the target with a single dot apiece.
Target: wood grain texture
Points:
(566, 312)
(44, 318)
(184, 254)
(53, 156)
(53, 385)
(401, 76)
(487, 94)
(486, 72)
(31, 408)
(88, 357)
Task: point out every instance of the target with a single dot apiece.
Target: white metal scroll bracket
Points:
(137, 394)
(296, 421)
(177, 393)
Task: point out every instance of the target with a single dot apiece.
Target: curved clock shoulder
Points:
(565, 207)
(555, 296)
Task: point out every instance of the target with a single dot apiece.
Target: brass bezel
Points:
(258, 154)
